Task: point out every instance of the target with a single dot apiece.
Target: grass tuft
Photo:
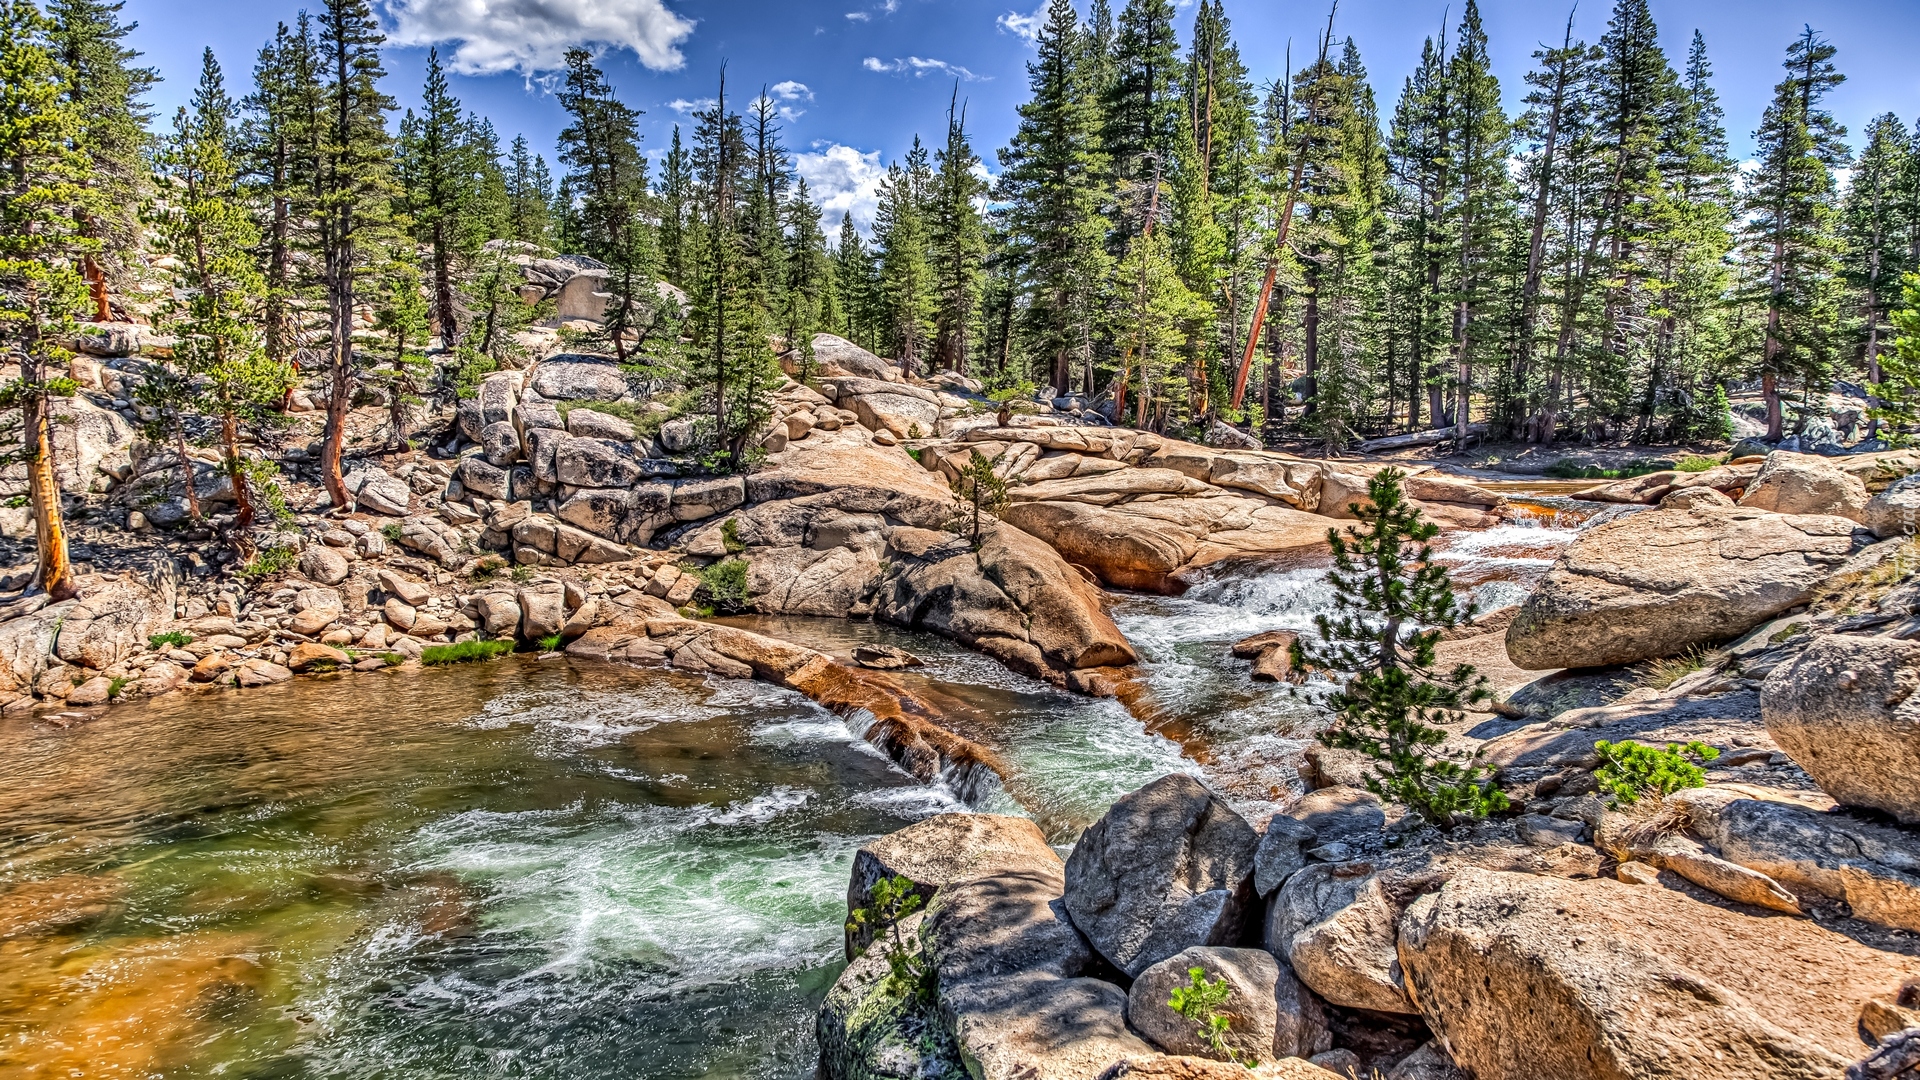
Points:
(463, 652)
(550, 643)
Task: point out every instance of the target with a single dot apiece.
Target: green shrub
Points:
(269, 561)
(730, 536)
(486, 568)
(116, 684)
(1696, 463)
(1629, 770)
(391, 530)
(550, 643)
(463, 652)
(393, 659)
(1199, 1003)
(726, 585)
(172, 639)
(894, 899)
(522, 574)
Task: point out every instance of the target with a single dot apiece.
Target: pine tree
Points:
(1050, 176)
(440, 165)
(1149, 321)
(809, 275)
(279, 158)
(675, 200)
(351, 188)
(45, 196)
(211, 236)
(529, 195)
(1898, 402)
(403, 315)
(1872, 225)
(1790, 223)
(855, 281)
(906, 282)
(1142, 104)
(1392, 601)
(956, 245)
(1480, 207)
(105, 88)
(728, 358)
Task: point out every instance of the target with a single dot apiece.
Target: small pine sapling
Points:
(977, 491)
(1199, 1004)
(1629, 770)
(1391, 600)
(894, 899)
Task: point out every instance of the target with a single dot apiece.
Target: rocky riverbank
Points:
(1761, 923)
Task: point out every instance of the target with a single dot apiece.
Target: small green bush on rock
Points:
(726, 586)
(1629, 770)
(172, 639)
(894, 899)
(1199, 1004)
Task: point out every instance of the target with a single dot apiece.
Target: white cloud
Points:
(842, 179)
(1026, 26)
(858, 16)
(685, 107)
(918, 66)
(529, 36)
(791, 91)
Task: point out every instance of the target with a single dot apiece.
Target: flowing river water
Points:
(542, 868)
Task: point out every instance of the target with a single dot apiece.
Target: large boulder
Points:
(600, 463)
(1896, 510)
(1168, 867)
(1792, 483)
(1874, 869)
(1270, 1015)
(1319, 819)
(579, 377)
(379, 492)
(1334, 925)
(834, 356)
(942, 850)
(1009, 969)
(1844, 710)
(907, 411)
(1662, 581)
(1523, 977)
(324, 564)
(588, 424)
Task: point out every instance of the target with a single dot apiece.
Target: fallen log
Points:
(1898, 1055)
(1418, 438)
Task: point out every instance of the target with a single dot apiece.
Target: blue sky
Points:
(858, 78)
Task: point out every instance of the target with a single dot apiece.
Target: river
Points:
(538, 867)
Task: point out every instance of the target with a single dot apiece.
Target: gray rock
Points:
(1873, 869)
(500, 442)
(1008, 964)
(1219, 434)
(697, 499)
(1843, 711)
(884, 657)
(483, 479)
(1270, 1015)
(941, 851)
(499, 393)
(260, 672)
(677, 436)
(1895, 511)
(838, 356)
(1539, 830)
(406, 589)
(578, 377)
(543, 610)
(536, 412)
(1334, 925)
(376, 491)
(598, 463)
(1281, 853)
(1430, 1062)
(868, 1030)
(498, 613)
(1661, 581)
(1168, 867)
(588, 424)
(324, 565)
(1805, 484)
